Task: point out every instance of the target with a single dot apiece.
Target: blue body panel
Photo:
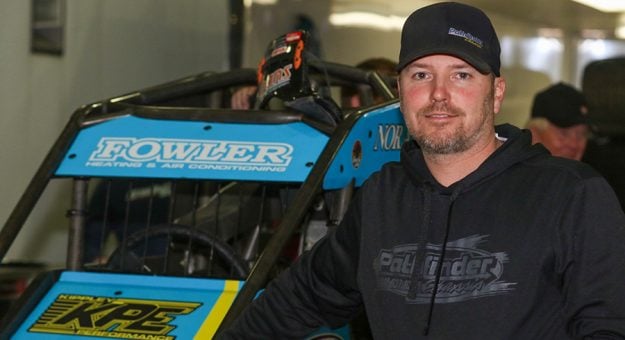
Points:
(178, 306)
(374, 140)
(83, 306)
(129, 146)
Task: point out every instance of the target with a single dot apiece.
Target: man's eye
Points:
(420, 75)
(463, 75)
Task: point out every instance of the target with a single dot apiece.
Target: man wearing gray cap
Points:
(474, 234)
(559, 121)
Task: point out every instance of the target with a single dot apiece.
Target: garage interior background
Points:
(113, 47)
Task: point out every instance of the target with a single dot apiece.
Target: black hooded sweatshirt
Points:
(532, 247)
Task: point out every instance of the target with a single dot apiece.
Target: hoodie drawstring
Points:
(439, 267)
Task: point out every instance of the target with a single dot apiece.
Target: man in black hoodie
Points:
(475, 233)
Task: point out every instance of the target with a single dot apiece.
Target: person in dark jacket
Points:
(474, 234)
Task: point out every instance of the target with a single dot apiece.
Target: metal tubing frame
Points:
(38, 183)
(77, 220)
(289, 224)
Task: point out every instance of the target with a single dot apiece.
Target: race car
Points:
(205, 203)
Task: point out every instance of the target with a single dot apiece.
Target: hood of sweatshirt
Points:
(517, 148)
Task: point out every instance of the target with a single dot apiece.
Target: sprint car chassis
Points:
(180, 132)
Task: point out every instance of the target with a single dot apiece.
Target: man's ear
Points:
(535, 134)
(500, 91)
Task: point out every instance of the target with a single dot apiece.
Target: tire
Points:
(178, 250)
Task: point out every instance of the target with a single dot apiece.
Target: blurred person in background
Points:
(559, 121)
(350, 98)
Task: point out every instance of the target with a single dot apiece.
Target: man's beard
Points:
(457, 140)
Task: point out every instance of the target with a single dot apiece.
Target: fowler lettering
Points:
(191, 151)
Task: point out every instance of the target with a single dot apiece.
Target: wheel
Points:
(178, 250)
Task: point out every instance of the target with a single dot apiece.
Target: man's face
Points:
(449, 106)
(569, 142)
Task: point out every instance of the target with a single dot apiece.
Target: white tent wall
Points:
(110, 48)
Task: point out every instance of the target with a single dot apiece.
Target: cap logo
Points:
(468, 37)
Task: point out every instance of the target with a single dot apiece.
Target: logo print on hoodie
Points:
(467, 271)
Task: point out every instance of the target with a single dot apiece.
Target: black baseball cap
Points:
(562, 105)
(451, 28)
